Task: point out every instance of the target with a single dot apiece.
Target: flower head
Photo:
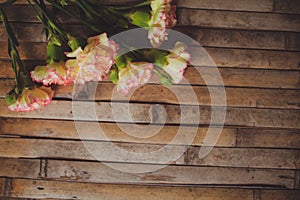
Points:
(163, 17)
(52, 73)
(135, 74)
(32, 98)
(177, 62)
(94, 62)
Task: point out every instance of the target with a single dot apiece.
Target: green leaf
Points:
(114, 77)
(140, 18)
(11, 97)
(165, 81)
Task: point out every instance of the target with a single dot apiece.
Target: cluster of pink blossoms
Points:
(163, 17)
(95, 60)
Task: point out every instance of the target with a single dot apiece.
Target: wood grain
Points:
(240, 157)
(19, 167)
(2, 183)
(196, 95)
(78, 150)
(230, 77)
(72, 190)
(244, 39)
(239, 20)
(268, 138)
(139, 113)
(112, 132)
(173, 175)
(279, 194)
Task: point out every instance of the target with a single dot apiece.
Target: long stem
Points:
(58, 6)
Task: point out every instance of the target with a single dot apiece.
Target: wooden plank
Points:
(279, 194)
(19, 167)
(2, 183)
(27, 50)
(239, 97)
(67, 130)
(240, 77)
(224, 157)
(241, 58)
(240, 157)
(223, 57)
(289, 6)
(139, 113)
(242, 5)
(262, 138)
(244, 39)
(268, 138)
(173, 175)
(239, 20)
(73, 190)
(206, 37)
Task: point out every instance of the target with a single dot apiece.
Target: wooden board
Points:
(237, 78)
(2, 183)
(244, 39)
(279, 194)
(139, 113)
(235, 97)
(71, 190)
(173, 175)
(19, 168)
(262, 138)
(78, 150)
(268, 138)
(239, 20)
(67, 130)
(239, 157)
(223, 57)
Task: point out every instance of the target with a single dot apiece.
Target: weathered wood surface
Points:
(237, 78)
(268, 138)
(196, 95)
(205, 37)
(70, 190)
(2, 183)
(230, 137)
(225, 157)
(239, 20)
(67, 130)
(256, 46)
(139, 113)
(276, 6)
(19, 168)
(96, 172)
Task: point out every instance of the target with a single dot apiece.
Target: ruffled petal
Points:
(134, 75)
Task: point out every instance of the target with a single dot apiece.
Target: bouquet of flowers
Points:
(78, 59)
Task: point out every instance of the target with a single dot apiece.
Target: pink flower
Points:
(135, 74)
(177, 62)
(53, 73)
(163, 17)
(32, 99)
(94, 62)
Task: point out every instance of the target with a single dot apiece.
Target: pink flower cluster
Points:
(163, 17)
(32, 99)
(94, 62)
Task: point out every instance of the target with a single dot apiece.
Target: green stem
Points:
(58, 6)
(51, 24)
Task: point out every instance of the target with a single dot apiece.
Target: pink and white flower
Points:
(177, 61)
(135, 74)
(163, 17)
(94, 62)
(32, 99)
(52, 73)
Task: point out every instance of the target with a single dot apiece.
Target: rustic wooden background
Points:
(256, 45)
